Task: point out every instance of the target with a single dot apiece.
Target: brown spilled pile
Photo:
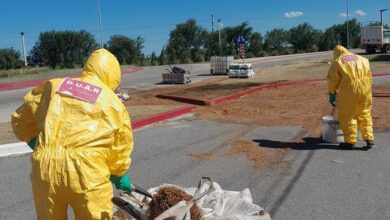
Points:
(169, 196)
(261, 157)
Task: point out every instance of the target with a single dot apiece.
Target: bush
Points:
(65, 49)
(9, 59)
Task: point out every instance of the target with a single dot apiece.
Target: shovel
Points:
(128, 207)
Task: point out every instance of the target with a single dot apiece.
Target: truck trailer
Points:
(375, 38)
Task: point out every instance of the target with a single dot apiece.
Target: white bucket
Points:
(331, 131)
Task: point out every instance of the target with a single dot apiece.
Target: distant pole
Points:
(347, 25)
(24, 49)
(219, 33)
(212, 23)
(100, 23)
(382, 15)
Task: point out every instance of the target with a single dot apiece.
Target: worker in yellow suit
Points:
(351, 77)
(83, 139)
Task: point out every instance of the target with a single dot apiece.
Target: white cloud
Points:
(343, 14)
(293, 14)
(360, 13)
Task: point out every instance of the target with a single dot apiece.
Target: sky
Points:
(153, 20)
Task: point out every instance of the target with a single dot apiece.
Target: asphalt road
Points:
(150, 77)
(321, 181)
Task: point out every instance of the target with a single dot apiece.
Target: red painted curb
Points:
(35, 82)
(161, 117)
(380, 74)
(129, 70)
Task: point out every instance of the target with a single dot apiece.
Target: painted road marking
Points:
(14, 149)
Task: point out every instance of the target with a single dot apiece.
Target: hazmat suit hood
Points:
(104, 66)
(339, 51)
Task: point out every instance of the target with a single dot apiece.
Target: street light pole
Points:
(347, 25)
(24, 49)
(382, 15)
(100, 23)
(219, 33)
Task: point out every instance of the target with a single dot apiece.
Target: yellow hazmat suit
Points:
(80, 141)
(350, 74)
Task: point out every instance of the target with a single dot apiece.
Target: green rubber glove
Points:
(122, 182)
(32, 143)
(332, 99)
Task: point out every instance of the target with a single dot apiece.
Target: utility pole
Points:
(347, 26)
(212, 23)
(100, 24)
(24, 49)
(219, 33)
(382, 15)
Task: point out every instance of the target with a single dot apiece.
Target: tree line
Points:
(188, 42)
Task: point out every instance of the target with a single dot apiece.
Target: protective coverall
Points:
(83, 135)
(351, 76)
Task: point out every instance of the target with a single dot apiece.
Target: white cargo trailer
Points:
(220, 64)
(375, 38)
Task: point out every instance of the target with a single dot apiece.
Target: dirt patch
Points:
(381, 106)
(261, 157)
(144, 111)
(214, 90)
(300, 104)
(169, 196)
(205, 156)
(289, 105)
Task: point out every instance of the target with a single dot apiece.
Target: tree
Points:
(162, 60)
(126, 50)
(340, 31)
(186, 43)
(9, 59)
(230, 35)
(378, 23)
(304, 37)
(328, 40)
(276, 38)
(123, 48)
(255, 44)
(153, 59)
(63, 48)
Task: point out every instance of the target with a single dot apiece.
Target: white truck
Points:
(375, 38)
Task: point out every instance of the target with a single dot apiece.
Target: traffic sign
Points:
(240, 39)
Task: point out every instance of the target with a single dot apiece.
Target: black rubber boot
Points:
(347, 146)
(370, 144)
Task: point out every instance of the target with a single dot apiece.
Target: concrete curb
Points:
(35, 82)
(218, 100)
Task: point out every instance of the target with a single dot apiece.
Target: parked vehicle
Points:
(374, 38)
(241, 70)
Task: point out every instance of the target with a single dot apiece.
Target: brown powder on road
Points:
(261, 157)
(205, 156)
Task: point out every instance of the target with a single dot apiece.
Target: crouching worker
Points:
(81, 137)
(351, 77)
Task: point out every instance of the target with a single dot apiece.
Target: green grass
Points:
(35, 73)
(377, 57)
(32, 73)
